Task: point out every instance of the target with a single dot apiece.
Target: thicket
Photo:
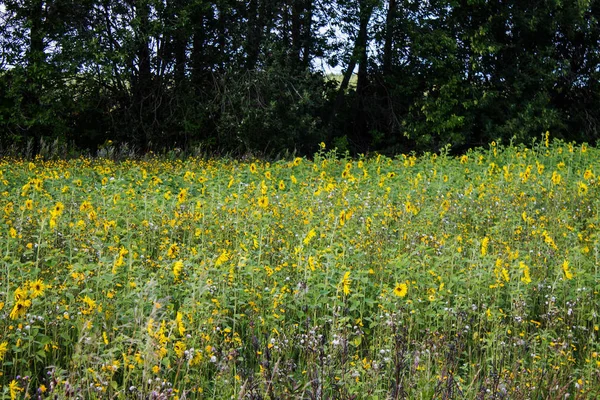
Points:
(247, 77)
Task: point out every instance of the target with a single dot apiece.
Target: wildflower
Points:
(556, 178)
(401, 289)
(90, 303)
(20, 309)
(86, 207)
(526, 278)
(20, 294)
(173, 250)
(312, 263)
(177, 268)
(14, 389)
(197, 359)
(180, 325)
(119, 261)
(182, 196)
(37, 288)
(445, 205)
(549, 241)
(343, 218)
(309, 236)
(149, 327)
(484, 245)
(540, 167)
(189, 176)
(582, 188)
(58, 208)
(179, 348)
(281, 185)
(223, 257)
(253, 168)
(263, 201)
(566, 270)
(3, 350)
(345, 283)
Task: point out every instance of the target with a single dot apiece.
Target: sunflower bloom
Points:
(179, 348)
(90, 303)
(14, 389)
(180, 325)
(526, 278)
(182, 196)
(173, 250)
(37, 288)
(177, 268)
(3, 350)
(346, 281)
(223, 258)
(484, 245)
(20, 308)
(311, 234)
(263, 202)
(401, 289)
(566, 270)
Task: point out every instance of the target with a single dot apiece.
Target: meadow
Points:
(436, 276)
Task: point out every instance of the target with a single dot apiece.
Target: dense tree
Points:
(246, 75)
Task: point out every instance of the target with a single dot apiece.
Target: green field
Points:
(410, 277)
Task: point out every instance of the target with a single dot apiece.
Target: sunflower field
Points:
(435, 276)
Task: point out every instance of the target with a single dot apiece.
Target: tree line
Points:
(247, 76)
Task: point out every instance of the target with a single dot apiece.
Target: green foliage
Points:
(239, 77)
(372, 277)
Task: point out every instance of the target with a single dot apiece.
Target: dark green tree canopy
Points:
(246, 76)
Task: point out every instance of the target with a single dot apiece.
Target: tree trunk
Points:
(34, 74)
(254, 35)
(307, 35)
(179, 48)
(143, 50)
(142, 83)
(360, 134)
(197, 55)
(36, 39)
(390, 23)
(359, 55)
(294, 57)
